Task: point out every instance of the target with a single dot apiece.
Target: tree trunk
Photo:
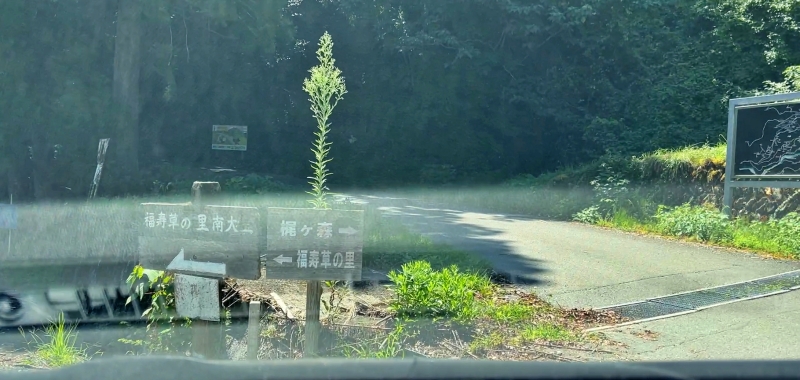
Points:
(127, 63)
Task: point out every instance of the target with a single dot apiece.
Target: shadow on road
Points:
(451, 227)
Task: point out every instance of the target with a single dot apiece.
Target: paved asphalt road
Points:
(577, 265)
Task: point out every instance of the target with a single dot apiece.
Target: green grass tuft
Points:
(694, 155)
(59, 348)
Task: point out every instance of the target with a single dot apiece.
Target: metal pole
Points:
(727, 195)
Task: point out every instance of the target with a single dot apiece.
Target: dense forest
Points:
(439, 91)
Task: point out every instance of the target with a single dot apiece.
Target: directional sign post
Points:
(314, 245)
(201, 244)
(309, 244)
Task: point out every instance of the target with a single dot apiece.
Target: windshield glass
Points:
(512, 180)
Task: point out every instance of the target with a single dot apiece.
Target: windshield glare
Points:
(507, 180)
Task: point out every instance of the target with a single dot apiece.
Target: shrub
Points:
(420, 291)
(702, 223)
(253, 184)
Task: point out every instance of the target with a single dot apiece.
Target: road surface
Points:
(577, 265)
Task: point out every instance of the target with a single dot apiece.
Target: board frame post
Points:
(732, 179)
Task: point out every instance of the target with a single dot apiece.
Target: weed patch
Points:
(509, 313)
(546, 331)
(58, 347)
(421, 291)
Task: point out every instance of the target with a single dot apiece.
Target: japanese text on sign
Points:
(325, 259)
(200, 222)
(324, 230)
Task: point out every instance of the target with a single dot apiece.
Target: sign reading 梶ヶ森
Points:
(310, 244)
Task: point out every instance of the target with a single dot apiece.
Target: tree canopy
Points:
(471, 90)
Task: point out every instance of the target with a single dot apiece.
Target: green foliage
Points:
(509, 313)
(437, 174)
(658, 76)
(702, 223)
(158, 290)
(611, 189)
(547, 331)
(695, 155)
(786, 232)
(420, 291)
(60, 346)
(389, 347)
(779, 236)
(590, 215)
(158, 286)
(253, 184)
(325, 88)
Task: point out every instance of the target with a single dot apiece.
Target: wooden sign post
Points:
(201, 244)
(314, 245)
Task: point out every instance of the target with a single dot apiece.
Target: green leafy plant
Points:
(325, 88)
(420, 291)
(589, 215)
(333, 304)
(787, 232)
(158, 289)
(611, 188)
(702, 223)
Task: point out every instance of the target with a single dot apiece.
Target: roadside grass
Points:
(494, 316)
(58, 347)
(695, 155)
(779, 238)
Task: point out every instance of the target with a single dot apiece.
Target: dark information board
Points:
(767, 141)
(309, 244)
(214, 234)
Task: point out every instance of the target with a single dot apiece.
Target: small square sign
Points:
(229, 137)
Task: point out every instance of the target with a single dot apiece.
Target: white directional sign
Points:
(196, 268)
(283, 260)
(309, 244)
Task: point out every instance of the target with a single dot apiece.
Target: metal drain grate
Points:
(782, 282)
(644, 310)
(694, 300)
(677, 303)
(743, 290)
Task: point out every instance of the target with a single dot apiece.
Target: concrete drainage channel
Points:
(696, 300)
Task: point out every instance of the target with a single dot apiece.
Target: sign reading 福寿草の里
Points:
(229, 137)
(218, 234)
(309, 244)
